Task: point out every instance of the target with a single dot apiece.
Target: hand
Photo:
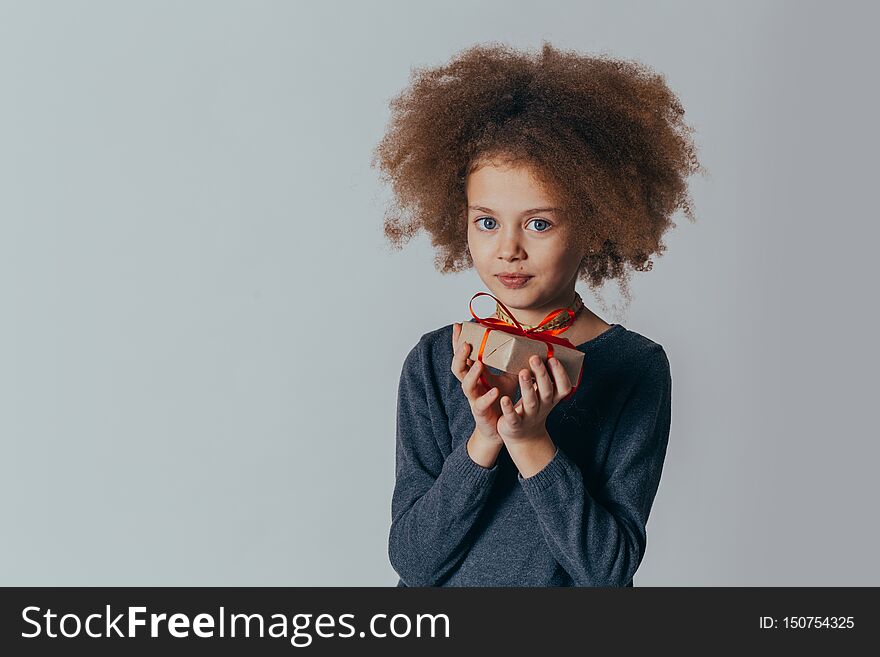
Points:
(527, 420)
(484, 403)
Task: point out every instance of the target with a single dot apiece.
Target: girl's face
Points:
(513, 229)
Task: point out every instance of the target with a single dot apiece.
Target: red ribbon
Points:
(547, 336)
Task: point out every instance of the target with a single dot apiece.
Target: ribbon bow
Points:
(547, 336)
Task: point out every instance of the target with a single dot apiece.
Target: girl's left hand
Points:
(527, 420)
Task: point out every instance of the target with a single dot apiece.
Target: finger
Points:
(560, 377)
(467, 347)
(471, 382)
(470, 349)
(459, 359)
(542, 376)
(513, 418)
(456, 333)
(529, 397)
(483, 403)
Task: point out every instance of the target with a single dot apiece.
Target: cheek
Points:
(475, 246)
(553, 251)
(561, 259)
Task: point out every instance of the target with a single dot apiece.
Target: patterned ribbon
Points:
(548, 336)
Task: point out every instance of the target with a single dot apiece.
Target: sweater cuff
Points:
(547, 476)
(463, 468)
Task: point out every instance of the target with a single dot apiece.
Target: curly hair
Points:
(606, 137)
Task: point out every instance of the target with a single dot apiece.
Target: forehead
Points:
(506, 187)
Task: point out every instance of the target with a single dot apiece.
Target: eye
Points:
(485, 219)
(542, 225)
(542, 221)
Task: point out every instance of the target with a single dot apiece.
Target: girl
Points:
(537, 171)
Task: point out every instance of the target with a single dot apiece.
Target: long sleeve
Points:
(600, 539)
(436, 499)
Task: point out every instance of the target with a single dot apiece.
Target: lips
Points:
(513, 281)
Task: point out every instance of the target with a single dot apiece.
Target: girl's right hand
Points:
(485, 405)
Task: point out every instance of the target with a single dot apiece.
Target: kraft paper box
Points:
(511, 353)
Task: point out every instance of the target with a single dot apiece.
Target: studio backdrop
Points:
(204, 324)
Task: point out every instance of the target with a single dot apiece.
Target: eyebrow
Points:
(482, 209)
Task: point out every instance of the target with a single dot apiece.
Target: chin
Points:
(511, 298)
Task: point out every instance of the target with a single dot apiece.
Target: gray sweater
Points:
(580, 521)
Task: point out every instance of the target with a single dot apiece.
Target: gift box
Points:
(508, 347)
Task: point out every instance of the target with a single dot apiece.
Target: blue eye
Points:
(543, 221)
(493, 225)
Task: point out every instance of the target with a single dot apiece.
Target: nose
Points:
(510, 244)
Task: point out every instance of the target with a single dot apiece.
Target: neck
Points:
(532, 316)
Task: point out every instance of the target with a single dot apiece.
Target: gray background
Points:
(203, 327)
